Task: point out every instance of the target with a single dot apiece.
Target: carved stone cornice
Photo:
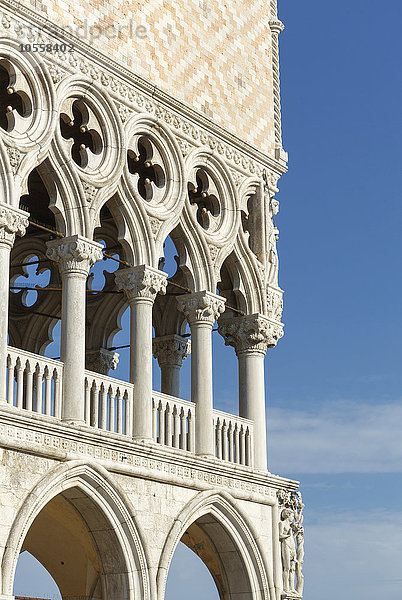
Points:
(141, 282)
(102, 360)
(201, 307)
(13, 221)
(253, 333)
(74, 254)
(276, 26)
(171, 350)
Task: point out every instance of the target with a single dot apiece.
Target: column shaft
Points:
(170, 380)
(252, 401)
(141, 366)
(4, 294)
(201, 386)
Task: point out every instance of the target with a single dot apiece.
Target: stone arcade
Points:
(100, 478)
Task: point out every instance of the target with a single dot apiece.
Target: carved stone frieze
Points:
(141, 282)
(74, 254)
(275, 304)
(253, 333)
(12, 222)
(171, 350)
(201, 307)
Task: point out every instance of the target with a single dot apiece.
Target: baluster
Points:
(120, 411)
(154, 421)
(10, 383)
(48, 391)
(230, 436)
(236, 444)
(112, 410)
(87, 402)
(94, 404)
(57, 394)
(242, 444)
(218, 438)
(168, 425)
(183, 428)
(38, 386)
(248, 448)
(176, 428)
(251, 450)
(191, 431)
(224, 441)
(128, 401)
(161, 424)
(28, 385)
(20, 383)
(103, 407)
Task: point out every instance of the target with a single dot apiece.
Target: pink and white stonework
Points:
(121, 124)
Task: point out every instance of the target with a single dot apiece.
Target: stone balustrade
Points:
(173, 421)
(234, 438)
(34, 382)
(108, 403)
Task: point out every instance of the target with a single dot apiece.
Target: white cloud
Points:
(339, 438)
(354, 555)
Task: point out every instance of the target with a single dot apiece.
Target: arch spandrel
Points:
(82, 484)
(214, 520)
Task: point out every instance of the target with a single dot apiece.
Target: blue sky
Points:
(334, 384)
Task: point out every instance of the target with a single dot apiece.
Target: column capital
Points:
(171, 350)
(13, 221)
(252, 333)
(74, 254)
(141, 282)
(276, 26)
(102, 360)
(201, 307)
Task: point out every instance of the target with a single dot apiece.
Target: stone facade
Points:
(104, 152)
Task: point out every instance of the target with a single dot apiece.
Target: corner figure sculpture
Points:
(291, 537)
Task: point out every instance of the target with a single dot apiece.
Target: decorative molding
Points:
(141, 282)
(13, 221)
(276, 26)
(74, 254)
(201, 307)
(171, 350)
(253, 333)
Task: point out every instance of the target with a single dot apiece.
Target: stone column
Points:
(251, 336)
(171, 350)
(12, 222)
(202, 309)
(141, 285)
(75, 256)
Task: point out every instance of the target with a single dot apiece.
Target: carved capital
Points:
(276, 26)
(253, 333)
(141, 282)
(74, 254)
(171, 350)
(102, 360)
(13, 221)
(201, 307)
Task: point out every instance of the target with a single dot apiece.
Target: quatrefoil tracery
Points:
(80, 127)
(15, 99)
(146, 165)
(204, 196)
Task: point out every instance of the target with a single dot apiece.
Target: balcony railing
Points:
(108, 403)
(34, 383)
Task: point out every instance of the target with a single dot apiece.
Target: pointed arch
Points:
(231, 538)
(96, 484)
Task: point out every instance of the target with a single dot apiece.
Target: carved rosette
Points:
(171, 350)
(253, 333)
(201, 307)
(75, 254)
(12, 222)
(141, 282)
(102, 360)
